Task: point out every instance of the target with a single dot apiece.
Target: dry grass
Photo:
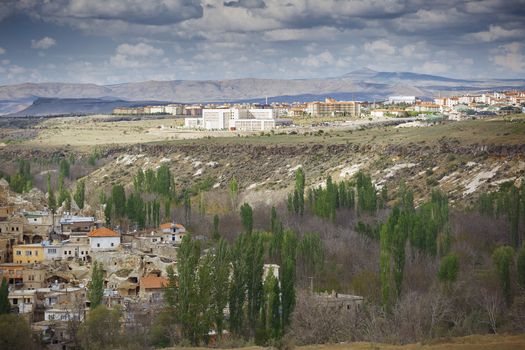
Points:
(82, 132)
(473, 342)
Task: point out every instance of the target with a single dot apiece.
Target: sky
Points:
(117, 41)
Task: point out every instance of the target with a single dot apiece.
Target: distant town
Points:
(264, 117)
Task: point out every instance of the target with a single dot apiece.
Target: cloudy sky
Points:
(114, 41)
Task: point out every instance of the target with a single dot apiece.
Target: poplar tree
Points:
(80, 194)
(221, 274)
(96, 290)
(520, 262)
(247, 217)
(5, 305)
(502, 258)
(51, 201)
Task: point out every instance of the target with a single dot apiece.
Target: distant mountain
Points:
(362, 84)
(45, 106)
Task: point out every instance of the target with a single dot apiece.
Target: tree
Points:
(299, 191)
(221, 274)
(96, 291)
(502, 258)
(234, 192)
(118, 199)
(5, 306)
(64, 168)
(216, 234)
(520, 262)
(80, 194)
(51, 201)
(102, 329)
(449, 268)
(247, 217)
(287, 276)
(15, 333)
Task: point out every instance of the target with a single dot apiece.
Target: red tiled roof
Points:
(103, 232)
(153, 282)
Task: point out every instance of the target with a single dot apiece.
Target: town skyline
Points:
(128, 41)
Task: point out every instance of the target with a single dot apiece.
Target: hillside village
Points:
(46, 258)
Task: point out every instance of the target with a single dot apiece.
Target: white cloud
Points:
(380, 47)
(496, 32)
(2, 50)
(43, 44)
(511, 57)
(433, 67)
(324, 58)
(136, 56)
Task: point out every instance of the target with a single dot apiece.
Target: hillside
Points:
(363, 84)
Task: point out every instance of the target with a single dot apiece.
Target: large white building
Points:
(402, 99)
(242, 119)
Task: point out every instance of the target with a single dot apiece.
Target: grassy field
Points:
(473, 342)
(82, 132)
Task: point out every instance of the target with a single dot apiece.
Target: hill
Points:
(363, 84)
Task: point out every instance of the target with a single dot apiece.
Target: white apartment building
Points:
(402, 99)
(174, 109)
(241, 119)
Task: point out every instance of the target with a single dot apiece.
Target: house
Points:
(152, 287)
(28, 253)
(103, 239)
(34, 278)
(13, 273)
(173, 232)
(24, 300)
(73, 225)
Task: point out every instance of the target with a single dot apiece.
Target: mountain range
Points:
(362, 84)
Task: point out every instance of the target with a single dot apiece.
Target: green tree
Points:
(64, 168)
(502, 258)
(219, 289)
(449, 268)
(299, 191)
(247, 217)
(101, 329)
(287, 276)
(138, 181)
(15, 333)
(118, 201)
(80, 193)
(96, 290)
(234, 192)
(51, 201)
(216, 234)
(520, 262)
(5, 305)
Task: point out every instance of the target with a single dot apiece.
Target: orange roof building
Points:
(103, 232)
(103, 239)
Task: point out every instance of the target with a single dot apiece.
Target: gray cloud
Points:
(206, 39)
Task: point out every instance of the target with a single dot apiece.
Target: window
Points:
(18, 252)
(98, 245)
(36, 252)
(51, 250)
(28, 253)
(112, 244)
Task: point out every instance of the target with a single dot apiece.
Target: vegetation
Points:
(96, 290)
(5, 306)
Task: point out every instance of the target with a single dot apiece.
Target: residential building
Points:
(13, 273)
(103, 239)
(331, 107)
(34, 277)
(241, 119)
(28, 253)
(152, 287)
(24, 300)
(409, 100)
(76, 225)
(173, 232)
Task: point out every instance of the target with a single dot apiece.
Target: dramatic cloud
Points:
(496, 33)
(43, 44)
(122, 40)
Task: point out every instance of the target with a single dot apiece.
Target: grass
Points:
(82, 132)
